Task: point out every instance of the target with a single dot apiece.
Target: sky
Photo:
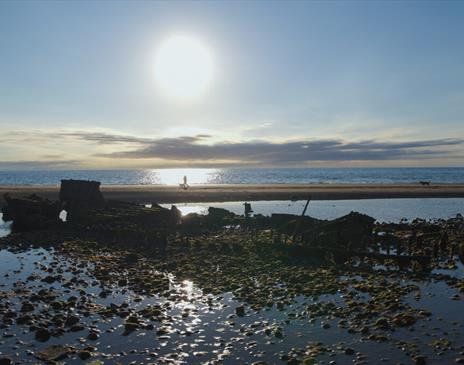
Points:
(295, 84)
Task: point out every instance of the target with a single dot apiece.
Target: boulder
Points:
(54, 353)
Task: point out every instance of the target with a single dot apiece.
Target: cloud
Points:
(107, 149)
(103, 138)
(292, 152)
(36, 164)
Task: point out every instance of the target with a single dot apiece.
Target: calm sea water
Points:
(241, 176)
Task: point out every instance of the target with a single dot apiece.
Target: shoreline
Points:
(250, 192)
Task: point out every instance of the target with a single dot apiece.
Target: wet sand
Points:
(241, 192)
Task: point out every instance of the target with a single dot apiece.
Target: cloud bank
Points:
(303, 151)
(104, 150)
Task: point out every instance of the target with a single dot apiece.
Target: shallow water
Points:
(4, 227)
(211, 331)
(384, 210)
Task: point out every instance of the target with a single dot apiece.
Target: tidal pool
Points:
(384, 210)
(188, 325)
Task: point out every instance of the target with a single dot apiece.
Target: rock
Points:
(460, 360)
(54, 353)
(382, 322)
(49, 279)
(349, 351)
(404, 320)
(130, 327)
(27, 307)
(77, 328)
(84, 355)
(240, 311)
(93, 336)
(161, 332)
(71, 320)
(6, 361)
(365, 330)
(219, 213)
(24, 319)
(419, 360)
(42, 334)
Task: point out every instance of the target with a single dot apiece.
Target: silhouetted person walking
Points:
(184, 185)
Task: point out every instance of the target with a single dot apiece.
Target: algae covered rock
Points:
(54, 353)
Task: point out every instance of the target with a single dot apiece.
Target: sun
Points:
(183, 67)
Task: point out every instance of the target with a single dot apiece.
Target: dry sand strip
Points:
(242, 192)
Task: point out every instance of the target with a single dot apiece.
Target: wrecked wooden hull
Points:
(339, 256)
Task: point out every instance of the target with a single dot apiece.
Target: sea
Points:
(446, 175)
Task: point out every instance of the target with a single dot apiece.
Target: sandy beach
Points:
(223, 193)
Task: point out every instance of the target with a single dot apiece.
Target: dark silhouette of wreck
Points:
(90, 216)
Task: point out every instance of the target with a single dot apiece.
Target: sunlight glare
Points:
(194, 176)
(183, 67)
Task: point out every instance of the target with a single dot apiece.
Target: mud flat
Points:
(222, 193)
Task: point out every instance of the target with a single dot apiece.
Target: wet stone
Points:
(54, 353)
(42, 335)
(27, 307)
(77, 328)
(93, 336)
(71, 320)
(84, 355)
(240, 311)
(349, 351)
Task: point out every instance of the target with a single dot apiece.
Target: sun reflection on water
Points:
(187, 286)
(175, 176)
